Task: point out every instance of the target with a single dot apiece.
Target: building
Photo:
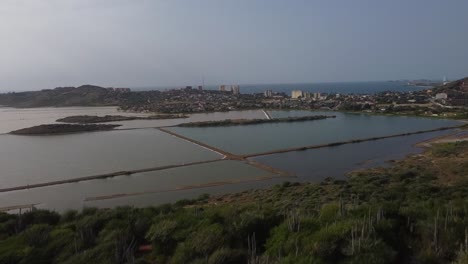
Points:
(296, 94)
(316, 96)
(120, 90)
(222, 88)
(200, 88)
(461, 100)
(445, 81)
(464, 86)
(235, 89)
(441, 96)
(268, 93)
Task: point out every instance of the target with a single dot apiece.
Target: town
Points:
(448, 99)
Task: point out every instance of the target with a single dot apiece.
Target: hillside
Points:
(451, 86)
(86, 95)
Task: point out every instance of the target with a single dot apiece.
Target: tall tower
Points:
(444, 81)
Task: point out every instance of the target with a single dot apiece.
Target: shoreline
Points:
(212, 184)
(450, 138)
(224, 156)
(246, 109)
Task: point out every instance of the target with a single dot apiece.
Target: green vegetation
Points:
(238, 122)
(413, 212)
(61, 129)
(87, 119)
(85, 95)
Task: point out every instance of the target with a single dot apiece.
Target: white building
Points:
(441, 96)
(295, 94)
(235, 89)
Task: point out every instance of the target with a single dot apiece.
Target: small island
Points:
(238, 122)
(61, 129)
(87, 119)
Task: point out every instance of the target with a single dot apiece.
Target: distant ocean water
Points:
(330, 87)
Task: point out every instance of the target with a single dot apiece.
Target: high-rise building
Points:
(464, 86)
(295, 94)
(444, 81)
(222, 88)
(235, 89)
(268, 93)
(200, 88)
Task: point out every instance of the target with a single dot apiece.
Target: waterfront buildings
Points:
(464, 86)
(121, 90)
(235, 89)
(296, 94)
(268, 93)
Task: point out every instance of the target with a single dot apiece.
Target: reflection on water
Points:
(16, 118)
(37, 159)
(247, 114)
(267, 137)
(61, 197)
(316, 164)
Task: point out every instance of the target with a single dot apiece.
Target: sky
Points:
(141, 43)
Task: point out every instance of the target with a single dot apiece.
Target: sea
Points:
(326, 87)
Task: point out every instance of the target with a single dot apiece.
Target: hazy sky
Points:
(132, 43)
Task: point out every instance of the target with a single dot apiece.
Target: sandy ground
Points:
(454, 137)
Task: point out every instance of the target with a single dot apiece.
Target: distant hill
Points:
(85, 95)
(451, 86)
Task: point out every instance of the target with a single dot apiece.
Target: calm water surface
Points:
(17, 118)
(73, 195)
(267, 137)
(315, 165)
(37, 159)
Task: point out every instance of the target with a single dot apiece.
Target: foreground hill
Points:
(412, 212)
(86, 95)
